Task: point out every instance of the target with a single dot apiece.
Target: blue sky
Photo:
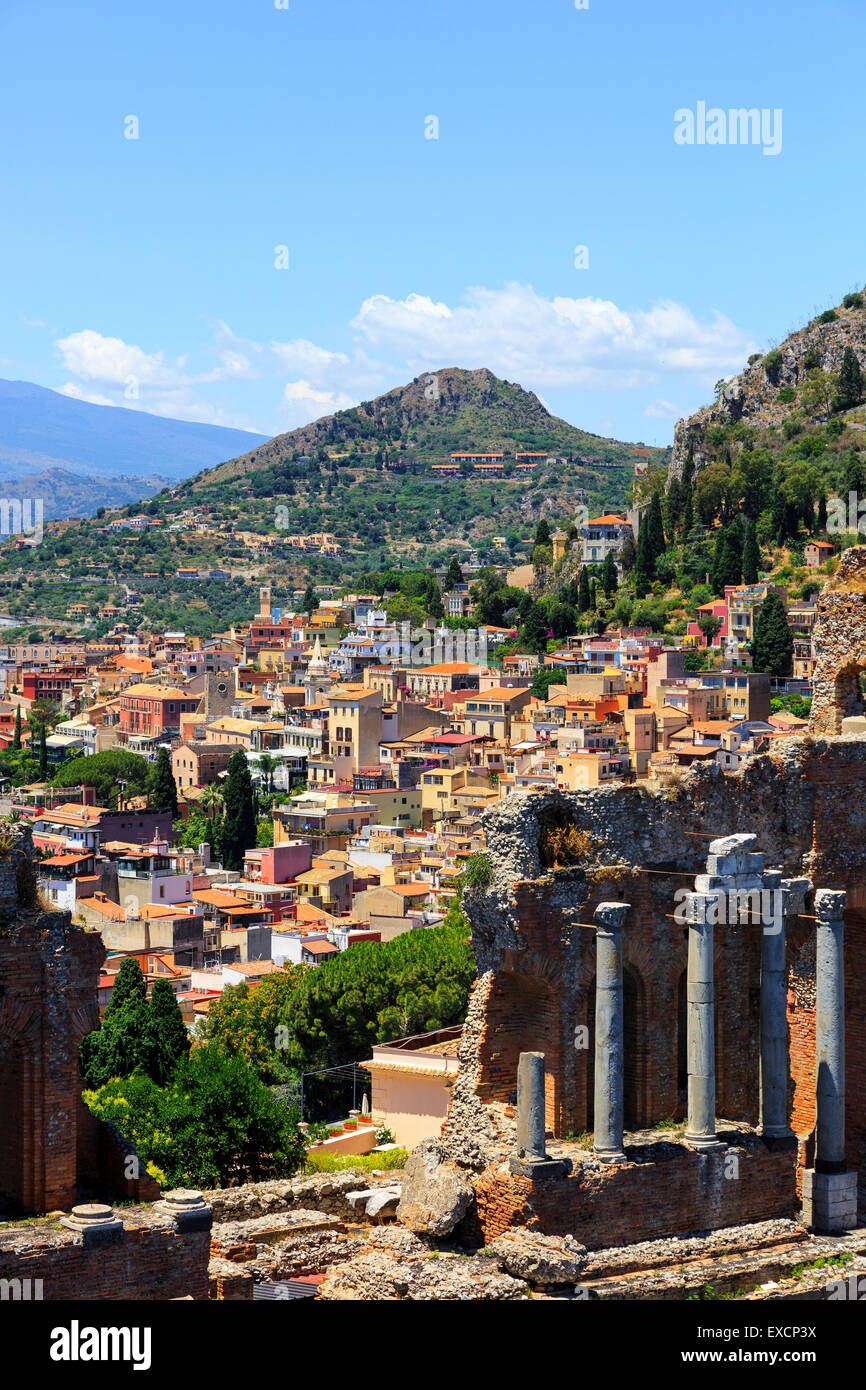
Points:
(142, 272)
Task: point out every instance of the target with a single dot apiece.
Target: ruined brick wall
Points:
(52, 1150)
(151, 1261)
(49, 971)
(536, 961)
(840, 645)
(671, 1189)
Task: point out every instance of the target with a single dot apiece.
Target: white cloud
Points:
(92, 357)
(79, 394)
(552, 343)
(549, 345)
(663, 410)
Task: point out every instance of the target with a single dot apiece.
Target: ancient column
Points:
(531, 1158)
(531, 1126)
(830, 1031)
(774, 1011)
(608, 1124)
(829, 1191)
(700, 1022)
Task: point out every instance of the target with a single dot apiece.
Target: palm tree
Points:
(211, 800)
(266, 767)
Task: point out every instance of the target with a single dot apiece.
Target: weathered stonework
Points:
(840, 646)
(534, 941)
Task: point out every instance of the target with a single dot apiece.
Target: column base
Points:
(705, 1143)
(829, 1201)
(777, 1139)
(609, 1155)
(539, 1168)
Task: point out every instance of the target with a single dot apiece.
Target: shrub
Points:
(853, 301)
(828, 316)
(772, 364)
(787, 395)
(355, 1163)
(812, 358)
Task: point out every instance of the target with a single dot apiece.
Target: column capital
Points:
(830, 904)
(611, 915)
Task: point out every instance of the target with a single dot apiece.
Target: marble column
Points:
(774, 1012)
(829, 1191)
(609, 1059)
(700, 1023)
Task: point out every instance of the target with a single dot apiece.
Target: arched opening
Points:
(12, 1070)
(522, 1016)
(850, 690)
(682, 1048)
(634, 1048)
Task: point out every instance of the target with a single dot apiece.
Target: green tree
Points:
(215, 1124)
(751, 557)
(453, 574)
(850, 390)
(239, 822)
(103, 772)
(163, 788)
(534, 629)
(544, 678)
(609, 579)
(542, 533)
(415, 983)
(584, 598)
(773, 642)
(137, 1034)
(16, 737)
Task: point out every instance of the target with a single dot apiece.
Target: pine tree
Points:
(533, 633)
(850, 392)
(751, 557)
(773, 642)
(163, 790)
(853, 476)
(239, 823)
(583, 597)
(16, 737)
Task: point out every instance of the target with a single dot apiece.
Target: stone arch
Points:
(635, 1049)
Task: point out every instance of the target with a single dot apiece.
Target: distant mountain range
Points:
(99, 455)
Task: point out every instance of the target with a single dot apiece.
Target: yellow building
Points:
(412, 1080)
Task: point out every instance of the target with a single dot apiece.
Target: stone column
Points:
(829, 1191)
(700, 1023)
(774, 1011)
(608, 1124)
(531, 1126)
(531, 1159)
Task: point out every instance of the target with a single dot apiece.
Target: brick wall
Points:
(151, 1261)
(673, 1189)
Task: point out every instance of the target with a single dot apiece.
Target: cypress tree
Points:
(773, 642)
(163, 791)
(43, 752)
(850, 391)
(542, 533)
(239, 821)
(656, 530)
(583, 596)
(608, 575)
(16, 737)
(822, 511)
(170, 1039)
(751, 557)
(688, 512)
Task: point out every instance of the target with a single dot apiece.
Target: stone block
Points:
(733, 844)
